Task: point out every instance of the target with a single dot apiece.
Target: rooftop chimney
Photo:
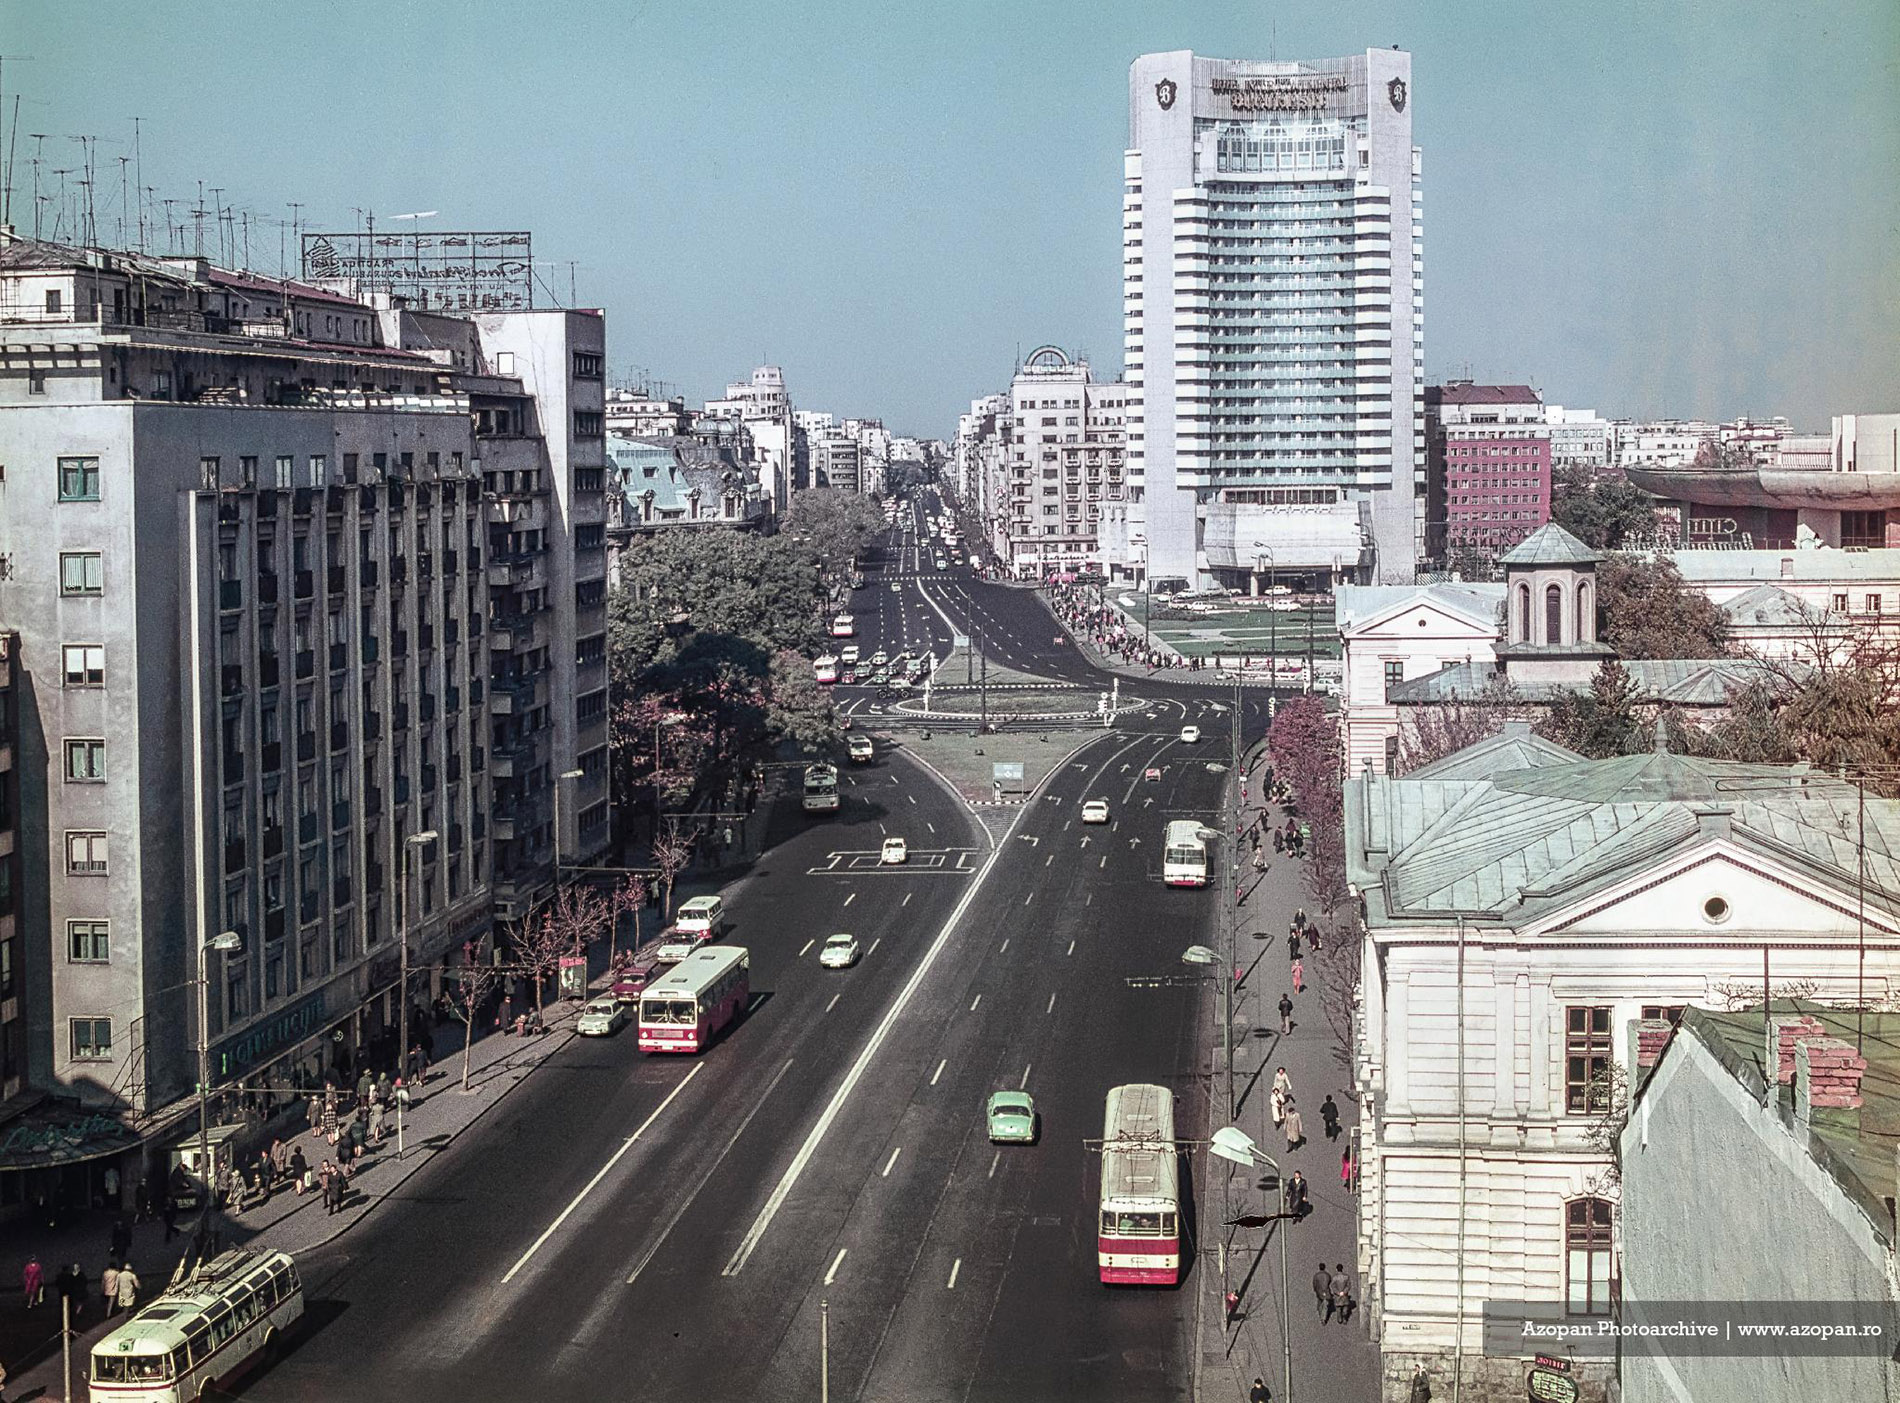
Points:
(1827, 1073)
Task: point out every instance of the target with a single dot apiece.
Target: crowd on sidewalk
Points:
(1107, 629)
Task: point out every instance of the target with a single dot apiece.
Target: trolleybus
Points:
(1184, 854)
(1140, 1237)
(825, 669)
(684, 1009)
(231, 1313)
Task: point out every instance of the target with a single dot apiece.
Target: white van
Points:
(702, 918)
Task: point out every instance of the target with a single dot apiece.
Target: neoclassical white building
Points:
(1526, 914)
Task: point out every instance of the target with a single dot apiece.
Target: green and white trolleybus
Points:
(229, 1315)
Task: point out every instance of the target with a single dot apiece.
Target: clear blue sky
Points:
(1646, 206)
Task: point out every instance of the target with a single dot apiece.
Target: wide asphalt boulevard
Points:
(656, 1228)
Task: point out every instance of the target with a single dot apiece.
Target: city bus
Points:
(825, 669)
(1184, 854)
(231, 1313)
(1140, 1237)
(821, 789)
(843, 626)
(684, 1009)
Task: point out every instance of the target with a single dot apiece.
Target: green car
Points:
(1012, 1117)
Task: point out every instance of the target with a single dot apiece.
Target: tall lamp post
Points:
(224, 941)
(1261, 552)
(414, 841)
(1234, 1144)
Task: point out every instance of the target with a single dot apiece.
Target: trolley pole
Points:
(824, 1351)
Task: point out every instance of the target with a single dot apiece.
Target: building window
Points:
(85, 664)
(1873, 604)
(1394, 674)
(1554, 614)
(1587, 1059)
(81, 572)
(1524, 612)
(36, 382)
(88, 942)
(85, 761)
(1392, 755)
(92, 1039)
(1588, 1262)
(78, 479)
(586, 365)
(1669, 1013)
(587, 423)
(85, 854)
(52, 299)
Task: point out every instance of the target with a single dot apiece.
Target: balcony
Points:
(339, 815)
(273, 757)
(308, 908)
(300, 501)
(340, 892)
(234, 855)
(307, 828)
(430, 779)
(306, 747)
(230, 679)
(366, 574)
(399, 572)
(274, 924)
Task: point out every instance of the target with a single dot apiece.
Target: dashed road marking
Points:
(851, 898)
(1025, 1081)
(1071, 947)
(808, 944)
(974, 1002)
(995, 1160)
(1052, 1004)
(834, 1001)
(907, 897)
(874, 944)
(940, 1066)
(836, 1262)
(955, 1267)
(1004, 946)
(896, 1150)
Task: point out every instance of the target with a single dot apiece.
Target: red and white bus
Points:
(684, 1009)
(1140, 1239)
(825, 669)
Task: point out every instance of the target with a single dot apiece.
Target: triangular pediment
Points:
(1429, 619)
(1721, 891)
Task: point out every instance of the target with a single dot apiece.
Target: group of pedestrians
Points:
(119, 1284)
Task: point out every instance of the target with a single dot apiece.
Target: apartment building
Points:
(12, 1005)
(1487, 466)
(1062, 462)
(763, 406)
(297, 576)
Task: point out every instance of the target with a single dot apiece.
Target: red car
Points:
(848, 676)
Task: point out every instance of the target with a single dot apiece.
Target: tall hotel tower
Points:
(1273, 309)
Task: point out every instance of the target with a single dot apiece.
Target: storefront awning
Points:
(61, 1132)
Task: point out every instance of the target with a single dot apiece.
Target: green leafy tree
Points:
(1648, 611)
(830, 526)
(1601, 722)
(798, 710)
(1602, 512)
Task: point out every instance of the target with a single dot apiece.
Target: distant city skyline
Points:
(1653, 210)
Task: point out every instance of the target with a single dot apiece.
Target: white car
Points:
(895, 851)
(848, 655)
(1095, 811)
(839, 952)
(1190, 734)
(879, 658)
(602, 1018)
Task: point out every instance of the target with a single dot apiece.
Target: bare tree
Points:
(626, 899)
(672, 850)
(1428, 733)
(468, 990)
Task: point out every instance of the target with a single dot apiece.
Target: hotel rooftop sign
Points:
(1303, 94)
(464, 271)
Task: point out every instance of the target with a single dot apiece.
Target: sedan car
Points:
(1095, 811)
(861, 749)
(839, 952)
(1190, 734)
(879, 658)
(895, 851)
(879, 676)
(896, 588)
(601, 1018)
(1012, 1117)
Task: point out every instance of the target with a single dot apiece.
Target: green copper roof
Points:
(1549, 544)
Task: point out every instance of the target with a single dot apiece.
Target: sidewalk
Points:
(1081, 620)
(1332, 1362)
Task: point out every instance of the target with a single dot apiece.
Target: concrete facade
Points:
(1273, 298)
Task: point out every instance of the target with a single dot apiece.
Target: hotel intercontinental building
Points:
(1273, 314)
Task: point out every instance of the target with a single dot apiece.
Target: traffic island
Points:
(968, 763)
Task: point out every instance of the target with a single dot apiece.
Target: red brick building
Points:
(1488, 466)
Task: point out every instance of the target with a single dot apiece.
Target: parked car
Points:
(895, 851)
(1190, 734)
(1011, 1117)
(602, 1017)
(839, 952)
(1095, 811)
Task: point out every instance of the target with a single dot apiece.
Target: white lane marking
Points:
(602, 1174)
(1065, 826)
(896, 1150)
(1049, 859)
(931, 826)
(836, 1262)
(974, 1002)
(939, 1072)
(906, 900)
(1004, 946)
(874, 944)
(913, 799)
(687, 1202)
(1104, 861)
(995, 1160)
(1071, 947)
(834, 1001)
(1091, 900)
(851, 898)
(1025, 1081)
(808, 944)
(1050, 1009)
(955, 1267)
(1027, 897)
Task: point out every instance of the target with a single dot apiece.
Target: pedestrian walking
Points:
(1286, 1014)
(121, 1239)
(1345, 1169)
(1232, 1300)
(1276, 1099)
(299, 1169)
(1329, 1116)
(128, 1288)
(1294, 1195)
(1293, 944)
(71, 1285)
(1341, 1291)
(1299, 977)
(1312, 938)
(109, 1287)
(1295, 1127)
(1322, 1292)
(33, 1283)
(1421, 1385)
(279, 1159)
(1259, 1393)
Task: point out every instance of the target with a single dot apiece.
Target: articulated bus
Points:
(684, 1009)
(1140, 1240)
(1184, 854)
(821, 789)
(231, 1313)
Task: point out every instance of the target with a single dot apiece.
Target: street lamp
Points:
(224, 941)
(1261, 552)
(1234, 1144)
(415, 840)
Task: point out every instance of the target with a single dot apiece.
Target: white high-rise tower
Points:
(1273, 312)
